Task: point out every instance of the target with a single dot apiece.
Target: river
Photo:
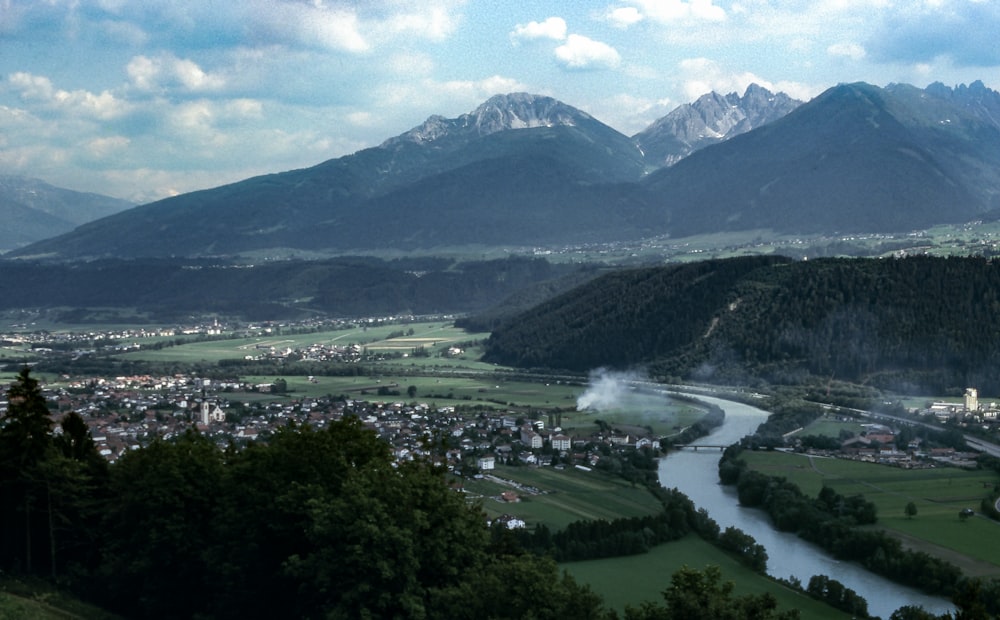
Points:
(695, 473)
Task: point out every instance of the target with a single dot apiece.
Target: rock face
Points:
(711, 119)
(498, 113)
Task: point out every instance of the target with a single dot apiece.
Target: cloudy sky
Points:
(141, 99)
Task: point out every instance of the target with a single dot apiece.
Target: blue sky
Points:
(142, 99)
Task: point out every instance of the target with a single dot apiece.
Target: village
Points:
(128, 412)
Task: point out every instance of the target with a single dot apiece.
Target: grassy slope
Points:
(37, 600)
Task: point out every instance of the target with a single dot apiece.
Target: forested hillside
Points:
(166, 290)
(913, 324)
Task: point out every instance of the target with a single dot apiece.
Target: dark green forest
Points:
(169, 290)
(912, 325)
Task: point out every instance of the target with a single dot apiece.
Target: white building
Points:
(971, 399)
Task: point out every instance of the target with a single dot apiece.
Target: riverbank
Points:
(696, 475)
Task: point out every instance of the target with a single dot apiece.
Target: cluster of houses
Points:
(970, 411)
(41, 342)
(878, 444)
(127, 412)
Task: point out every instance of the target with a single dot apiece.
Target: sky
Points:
(144, 99)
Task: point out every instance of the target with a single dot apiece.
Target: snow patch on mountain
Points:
(499, 113)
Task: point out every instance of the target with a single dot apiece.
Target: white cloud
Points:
(352, 27)
(670, 11)
(166, 71)
(337, 30)
(194, 117)
(469, 93)
(193, 78)
(102, 147)
(702, 75)
(580, 52)
(849, 50)
(630, 114)
(432, 22)
(552, 28)
(623, 17)
(243, 109)
(410, 64)
(102, 106)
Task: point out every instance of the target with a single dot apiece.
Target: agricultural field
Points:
(558, 497)
(939, 494)
(637, 578)
(393, 338)
(831, 427)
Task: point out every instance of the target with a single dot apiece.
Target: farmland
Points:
(634, 579)
(939, 494)
(557, 497)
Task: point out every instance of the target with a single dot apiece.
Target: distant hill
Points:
(32, 210)
(526, 171)
(168, 290)
(921, 324)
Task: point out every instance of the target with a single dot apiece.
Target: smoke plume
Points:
(611, 390)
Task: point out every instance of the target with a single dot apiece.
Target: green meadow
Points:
(433, 337)
(570, 494)
(633, 579)
(939, 495)
(831, 427)
(562, 497)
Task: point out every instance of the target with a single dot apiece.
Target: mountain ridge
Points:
(32, 210)
(528, 170)
(710, 119)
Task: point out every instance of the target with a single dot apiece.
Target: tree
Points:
(910, 510)
(411, 391)
(25, 443)
(159, 528)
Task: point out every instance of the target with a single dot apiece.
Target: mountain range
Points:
(526, 170)
(32, 210)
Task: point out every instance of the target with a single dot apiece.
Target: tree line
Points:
(834, 522)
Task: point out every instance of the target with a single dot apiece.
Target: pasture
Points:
(939, 495)
(395, 338)
(439, 389)
(831, 427)
(558, 497)
(633, 579)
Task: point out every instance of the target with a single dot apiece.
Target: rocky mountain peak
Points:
(710, 119)
(498, 113)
